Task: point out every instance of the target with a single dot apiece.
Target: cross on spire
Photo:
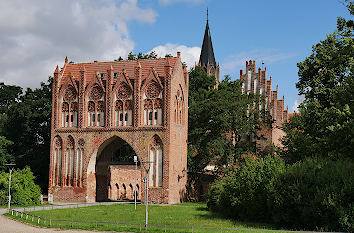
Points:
(207, 14)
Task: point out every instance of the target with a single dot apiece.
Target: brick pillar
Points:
(108, 123)
(137, 97)
(81, 98)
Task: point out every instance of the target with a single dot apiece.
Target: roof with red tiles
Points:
(129, 66)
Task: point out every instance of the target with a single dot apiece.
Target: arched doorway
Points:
(112, 154)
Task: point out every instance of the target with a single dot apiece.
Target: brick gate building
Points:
(104, 113)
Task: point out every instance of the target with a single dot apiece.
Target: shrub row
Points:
(315, 194)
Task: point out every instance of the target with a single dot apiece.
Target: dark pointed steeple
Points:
(207, 53)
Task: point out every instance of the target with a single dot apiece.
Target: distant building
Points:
(104, 113)
(255, 81)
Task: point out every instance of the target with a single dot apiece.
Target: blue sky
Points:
(36, 35)
(280, 33)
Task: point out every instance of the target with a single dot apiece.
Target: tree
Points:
(325, 125)
(28, 125)
(5, 157)
(151, 55)
(23, 189)
(218, 118)
(8, 96)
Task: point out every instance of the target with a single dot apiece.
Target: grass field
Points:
(187, 214)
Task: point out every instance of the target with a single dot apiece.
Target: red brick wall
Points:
(92, 140)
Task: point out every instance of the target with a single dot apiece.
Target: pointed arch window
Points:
(70, 160)
(96, 107)
(156, 163)
(179, 107)
(57, 162)
(69, 107)
(124, 106)
(80, 162)
(153, 104)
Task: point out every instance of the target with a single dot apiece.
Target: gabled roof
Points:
(129, 67)
(207, 53)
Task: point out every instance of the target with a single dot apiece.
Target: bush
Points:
(23, 189)
(243, 192)
(316, 194)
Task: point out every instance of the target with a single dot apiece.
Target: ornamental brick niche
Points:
(105, 113)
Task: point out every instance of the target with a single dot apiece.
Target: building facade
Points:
(105, 113)
(255, 81)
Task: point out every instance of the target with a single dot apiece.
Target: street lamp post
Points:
(136, 168)
(146, 181)
(10, 165)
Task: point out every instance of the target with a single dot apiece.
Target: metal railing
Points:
(141, 227)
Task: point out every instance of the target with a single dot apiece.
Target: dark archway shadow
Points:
(114, 151)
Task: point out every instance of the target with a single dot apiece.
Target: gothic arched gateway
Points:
(103, 114)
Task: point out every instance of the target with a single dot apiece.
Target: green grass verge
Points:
(15, 206)
(187, 214)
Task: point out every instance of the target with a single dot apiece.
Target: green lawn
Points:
(187, 214)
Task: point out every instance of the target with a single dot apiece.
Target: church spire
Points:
(207, 53)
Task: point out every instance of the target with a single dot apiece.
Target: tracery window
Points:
(153, 104)
(124, 106)
(156, 163)
(69, 107)
(96, 107)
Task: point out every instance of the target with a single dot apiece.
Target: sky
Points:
(36, 35)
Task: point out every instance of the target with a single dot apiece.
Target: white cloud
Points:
(189, 55)
(269, 56)
(36, 35)
(297, 102)
(166, 2)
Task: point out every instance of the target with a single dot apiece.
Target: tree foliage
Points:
(325, 125)
(316, 193)
(132, 56)
(8, 95)
(244, 191)
(5, 157)
(27, 124)
(23, 189)
(218, 118)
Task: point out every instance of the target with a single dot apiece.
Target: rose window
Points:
(96, 93)
(124, 91)
(153, 90)
(70, 94)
